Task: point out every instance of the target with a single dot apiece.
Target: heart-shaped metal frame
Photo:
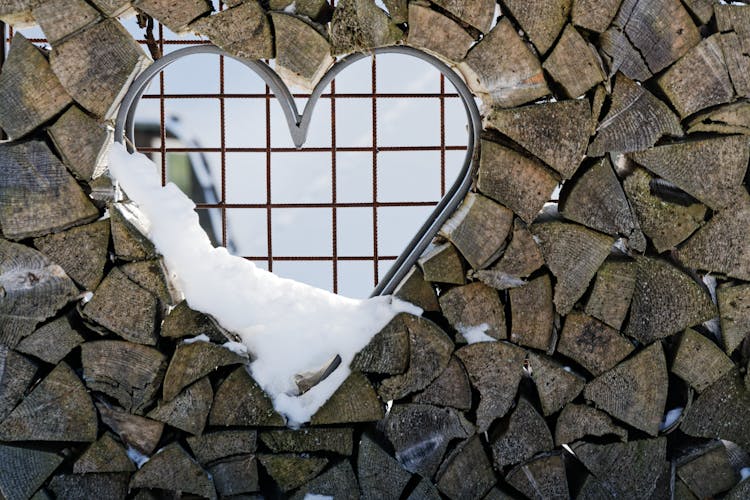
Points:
(299, 123)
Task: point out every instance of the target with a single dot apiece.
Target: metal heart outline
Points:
(299, 124)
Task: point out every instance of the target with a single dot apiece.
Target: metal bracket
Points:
(299, 124)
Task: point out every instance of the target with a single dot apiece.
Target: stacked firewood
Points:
(602, 256)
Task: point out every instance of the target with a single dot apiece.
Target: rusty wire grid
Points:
(380, 260)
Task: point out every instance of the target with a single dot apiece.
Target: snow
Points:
(670, 418)
(474, 334)
(291, 8)
(745, 472)
(198, 338)
(313, 496)
(236, 347)
(287, 326)
(136, 456)
(86, 297)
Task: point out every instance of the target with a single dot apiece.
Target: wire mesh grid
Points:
(344, 258)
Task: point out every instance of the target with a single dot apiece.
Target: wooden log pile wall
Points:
(620, 314)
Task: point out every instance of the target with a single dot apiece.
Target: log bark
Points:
(521, 258)
(174, 15)
(709, 473)
(433, 32)
(172, 469)
(596, 346)
(388, 351)
(303, 53)
(634, 391)
(62, 18)
(613, 290)
(338, 481)
(443, 264)
(416, 289)
(478, 228)
(359, 25)
(699, 361)
(574, 63)
(25, 470)
(635, 121)
(473, 305)
(97, 65)
(519, 182)
(573, 254)
(555, 385)
(234, 476)
(193, 361)
(466, 472)
(541, 478)
(334, 440)
(354, 401)
(187, 411)
(85, 486)
(734, 311)
(105, 455)
(525, 435)
(556, 132)
(576, 422)
(502, 69)
(541, 20)
(58, 409)
(451, 388)
(533, 314)
(319, 11)
(37, 194)
(292, 471)
(51, 342)
(380, 475)
(243, 31)
(139, 433)
(16, 374)
(31, 93)
(594, 15)
(212, 446)
(495, 370)
(129, 239)
(130, 373)
(420, 435)
(240, 401)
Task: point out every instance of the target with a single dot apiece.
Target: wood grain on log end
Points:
(354, 401)
(240, 401)
(172, 469)
(303, 53)
(243, 31)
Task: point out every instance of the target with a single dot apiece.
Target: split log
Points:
(556, 132)
(334, 440)
(635, 120)
(474, 306)
(303, 53)
(722, 411)
(665, 301)
(86, 486)
(58, 409)
(594, 15)
(525, 434)
(124, 308)
(533, 315)
(319, 11)
(397, 10)
(420, 435)
(31, 93)
(734, 24)
(338, 482)
(731, 118)
(360, 25)
(443, 264)
(433, 32)
(62, 18)
(129, 239)
(541, 478)
(243, 31)
(667, 224)
(153, 276)
(596, 200)
(184, 322)
(354, 401)
(594, 345)
(213, 446)
(188, 410)
(16, 374)
(495, 370)
(541, 20)
(718, 247)
(292, 471)
(130, 373)
(17, 13)
(25, 470)
(80, 251)
(502, 69)
(416, 289)
(699, 361)
(467, 471)
(711, 170)
(234, 476)
(621, 56)
(630, 470)
(742, 490)
(451, 388)
(701, 9)
(734, 311)
(105, 455)
(140, 433)
(97, 73)
(51, 342)
(573, 254)
(239, 400)
(37, 194)
(521, 258)
(174, 15)
(519, 182)
(709, 473)
(688, 94)
(574, 63)
(380, 476)
(497, 494)
(424, 490)
(478, 228)
(172, 469)
(193, 361)
(661, 31)
(578, 421)
(613, 290)
(634, 391)
(112, 8)
(388, 351)
(555, 384)
(429, 353)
